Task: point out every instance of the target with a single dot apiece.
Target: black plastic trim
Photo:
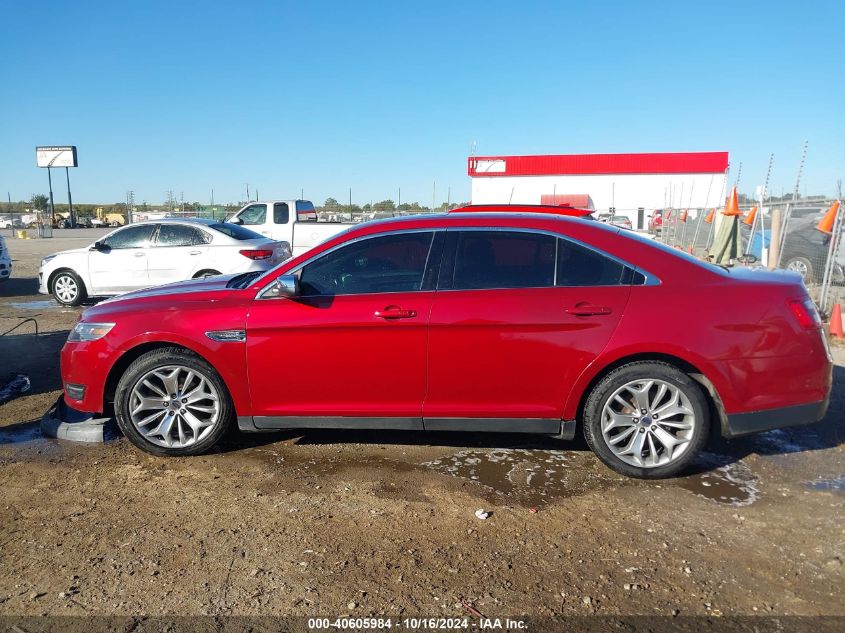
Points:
(546, 426)
(756, 421)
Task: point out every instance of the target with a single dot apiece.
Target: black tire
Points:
(160, 358)
(67, 279)
(645, 370)
(802, 266)
(207, 273)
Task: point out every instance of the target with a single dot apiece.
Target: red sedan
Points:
(515, 322)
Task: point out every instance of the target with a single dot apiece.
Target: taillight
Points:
(261, 253)
(805, 312)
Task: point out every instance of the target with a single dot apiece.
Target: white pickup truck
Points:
(291, 221)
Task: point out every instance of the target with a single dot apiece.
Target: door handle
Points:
(587, 309)
(395, 312)
(195, 253)
(139, 254)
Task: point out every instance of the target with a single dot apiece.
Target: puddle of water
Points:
(828, 484)
(784, 441)
(733, 484)
(34, 305)
(20, 433)
(531, 477)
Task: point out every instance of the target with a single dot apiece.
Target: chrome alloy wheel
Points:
(66, 288)
(800, 267)
(174, 406)
(648, 423)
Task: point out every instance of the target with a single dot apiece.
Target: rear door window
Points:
(581, 266)
(178, 235)
(503, 259)
(281, 213)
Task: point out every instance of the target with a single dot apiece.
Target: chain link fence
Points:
(802, 247)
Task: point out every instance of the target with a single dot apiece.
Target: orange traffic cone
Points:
(825, 225)
(732, 207)
(683, 216)
(836, 321)
(751, 215)
(709, 218)
(690, 249)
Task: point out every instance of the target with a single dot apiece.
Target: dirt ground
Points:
(375, 523)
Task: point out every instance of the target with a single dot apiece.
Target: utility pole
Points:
(795, 195)
(130, 206)
(433, 195)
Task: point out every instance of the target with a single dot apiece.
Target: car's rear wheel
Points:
(646, 419)
(67, 288)
(171, 402)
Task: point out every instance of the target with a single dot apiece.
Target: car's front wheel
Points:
(646, 419)
(67, 288)
(171, 402)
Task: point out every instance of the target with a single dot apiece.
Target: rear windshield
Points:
(631, 235)
(236, 231)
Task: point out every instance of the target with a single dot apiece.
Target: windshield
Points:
(236, 231)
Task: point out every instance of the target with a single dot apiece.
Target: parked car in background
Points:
(5, 261)
(291, 221)
(655, 222)
(155, 253)
(805, 250)
(496, 322)
(13, 223)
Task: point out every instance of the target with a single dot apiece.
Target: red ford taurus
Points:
(515, 322)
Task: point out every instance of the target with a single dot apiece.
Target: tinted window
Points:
(178, 235)
(131, 237)
(580, 266)
(253, 214)
(393, 263)
(501, 259)
(305, 211)
(236, 231)
(281, 213)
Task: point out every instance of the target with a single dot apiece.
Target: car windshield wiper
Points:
(242, 281)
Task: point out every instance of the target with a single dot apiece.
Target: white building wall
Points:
(628, 191)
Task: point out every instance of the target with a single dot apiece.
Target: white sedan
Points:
(5, 261)
(153, 253)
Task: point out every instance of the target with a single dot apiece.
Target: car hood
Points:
(72, 251)
(208, 284)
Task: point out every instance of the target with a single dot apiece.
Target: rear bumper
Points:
(739, 424)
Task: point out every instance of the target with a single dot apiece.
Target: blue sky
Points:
(323, 96)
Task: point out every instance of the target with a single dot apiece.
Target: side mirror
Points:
(283, 286)
(99, 246)
(236, 221)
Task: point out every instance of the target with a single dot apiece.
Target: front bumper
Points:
(739, 424)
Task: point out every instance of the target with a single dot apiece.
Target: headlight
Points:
(44, 260)
(89, 331)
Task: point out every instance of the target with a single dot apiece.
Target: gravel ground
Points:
(375, 523)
